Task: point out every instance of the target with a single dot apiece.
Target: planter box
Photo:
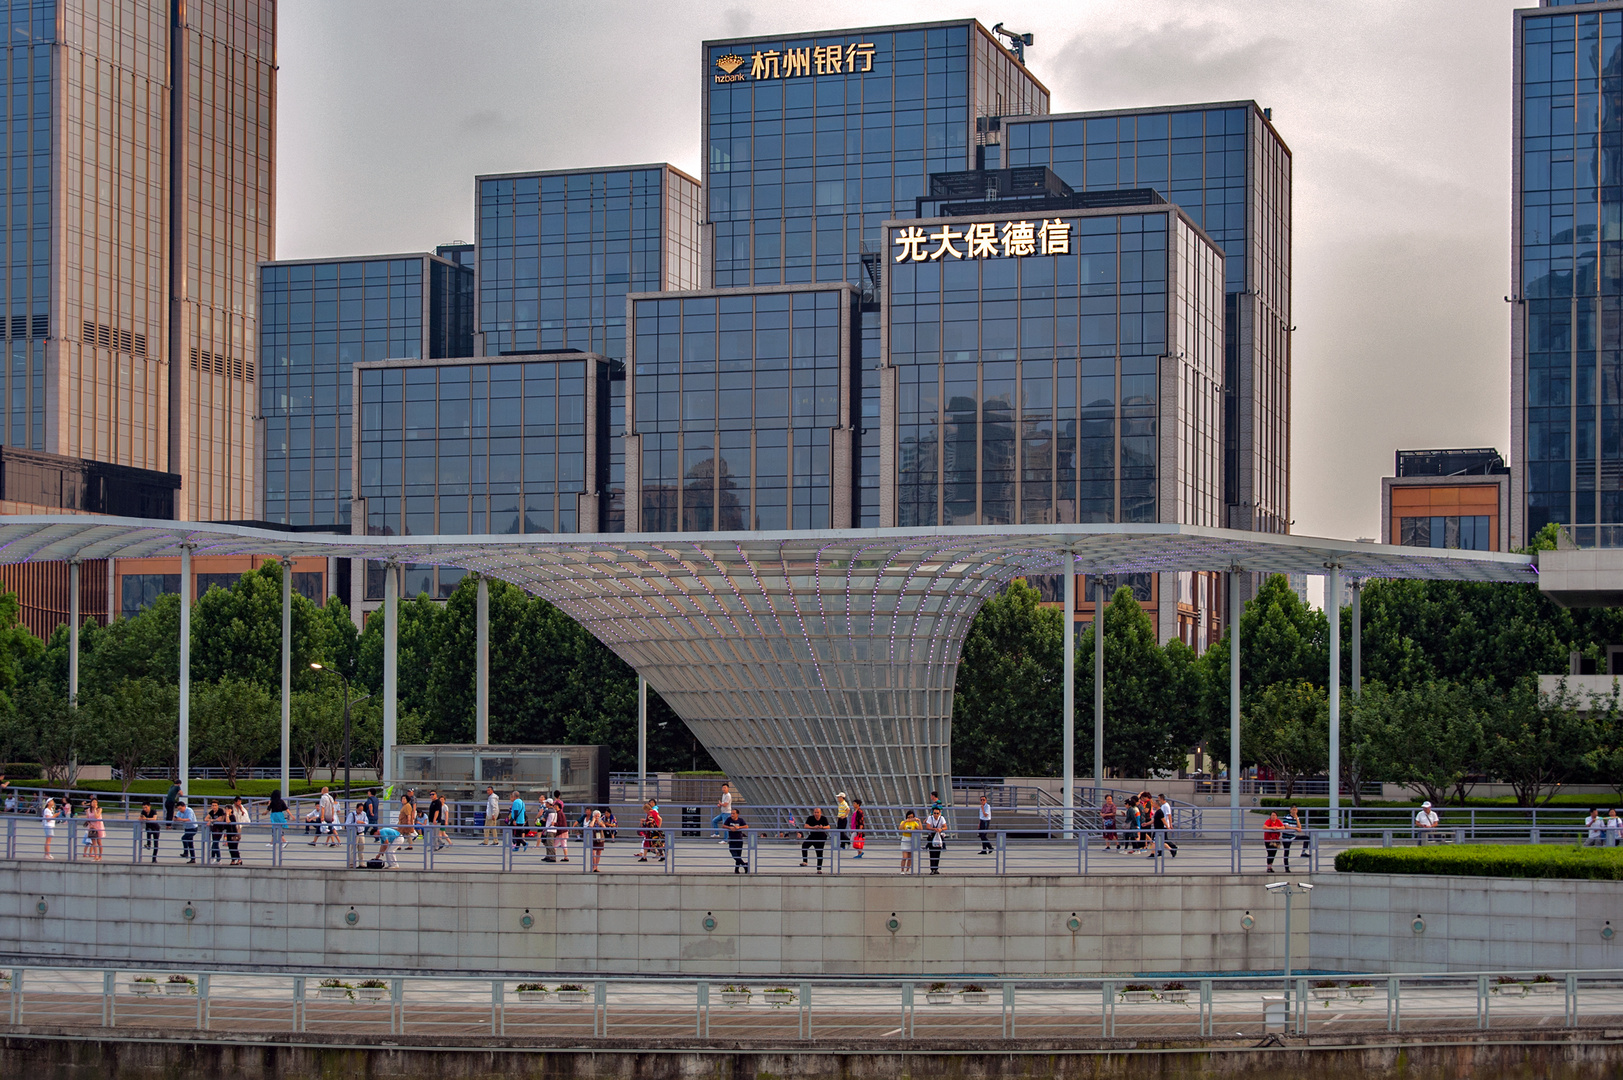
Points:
(371, 993)
(976, 997)
(939, 997)
(1137, 997)
(1510, 989)
(1176, 997)
(1544, 987)
(179, 989)
(141, 989)
(1326, 993)
(779, 997)
(1362, 993)
(334, 993)
(735, 997)
(573, 997)
(533, 995)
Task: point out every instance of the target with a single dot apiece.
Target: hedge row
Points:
(1488, 860)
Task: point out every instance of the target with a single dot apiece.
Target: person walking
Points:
(1294, 831)
(549, 830)
(597, 834)
(936, 826)
(736, 827)
(47, 817)
(187, 817)
(216, 823)
(150, 828)
(1270, 835)
(438, 818)
(1162, 822)
(859, 827)
(909, 826)
(96, 829)
(816, 836)
(237, 816)
(724, 810)
(842, 817)
(562, 839)
(983, 825)
(1107, 822)
(1425, 824)
(408, 818)
(278, 815)
(493, 813)
(652, 837)
(326, 812)
(515, 821)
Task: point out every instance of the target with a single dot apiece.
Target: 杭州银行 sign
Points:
(855, 57)
(984, 240)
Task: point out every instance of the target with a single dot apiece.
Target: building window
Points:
(1465, 533)
(140, 590)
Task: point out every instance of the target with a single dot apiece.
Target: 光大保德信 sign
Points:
(984, 240)
(855, 57)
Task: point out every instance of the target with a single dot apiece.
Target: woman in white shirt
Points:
(1614, 828)
(1597, 829)
(48, 820)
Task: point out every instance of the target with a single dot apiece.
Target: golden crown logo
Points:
(730, 63)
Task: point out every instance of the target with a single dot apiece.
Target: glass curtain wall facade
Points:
(559, 251)
(1224, 166)
(740, 409)
(318, 320)
(1075, 379)
(139, 171)
(813, 141)
(513, 445)
(1567, 240)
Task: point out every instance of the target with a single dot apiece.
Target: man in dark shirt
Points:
(815, 836)
(437, 818)
(735, 827)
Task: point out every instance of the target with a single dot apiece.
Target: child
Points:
(910, 825)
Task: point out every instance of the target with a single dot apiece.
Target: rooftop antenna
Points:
(1017, 42)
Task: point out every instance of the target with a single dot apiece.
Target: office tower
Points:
(492, 445)
(139, 172)
(741, 408)
(318, 319)
(1447, 499)
(1225, 167)
(813, 141)
(1566, 342)
(559, 251)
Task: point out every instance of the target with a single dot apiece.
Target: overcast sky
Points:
(1397, 114)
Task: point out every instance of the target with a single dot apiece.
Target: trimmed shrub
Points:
(1488, 860)
(21, 770)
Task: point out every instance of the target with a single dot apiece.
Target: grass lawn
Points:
(1557, 802)
(1487, 860)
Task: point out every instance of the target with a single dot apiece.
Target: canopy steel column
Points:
(184, 737)
(1098, 681)
(287, 675)
(642, 739)
(481, 709)
(391, 665)
(1234, 698)
(1068, 717)
(1357, 640)
(73, 632)
(1332, 608)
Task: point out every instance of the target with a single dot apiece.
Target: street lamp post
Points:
(1284, 888)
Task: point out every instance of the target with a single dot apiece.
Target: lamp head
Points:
(315, 665)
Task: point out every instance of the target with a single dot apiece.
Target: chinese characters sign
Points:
(984, 240)
(856, 57)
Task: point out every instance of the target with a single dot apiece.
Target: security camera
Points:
(1276, 885)
(1304, 885)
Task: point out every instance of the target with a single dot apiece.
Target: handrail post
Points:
(1572, 999)
(498, 1021)
(298, 1003)
(397, 1006)
(203, 1001)
(109, 986)
(600, 1009)
(1000, 861)
(701, 1010)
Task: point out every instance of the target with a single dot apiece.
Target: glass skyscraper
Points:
(1227, 169)
(318, 319)
(140, 160)
(1566, 430)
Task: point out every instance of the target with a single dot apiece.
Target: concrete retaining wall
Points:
(640, 923)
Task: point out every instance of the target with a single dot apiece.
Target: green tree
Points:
(1533, 742)
(1009, 688)
(1282, 640)
(43, 727)
(316, 726)
(1288, 730)
(236, 724)
(1146, 731)
(135, 726)
(1606, 759)
(1427, 738)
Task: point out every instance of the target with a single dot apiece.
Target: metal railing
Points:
(468, 1010)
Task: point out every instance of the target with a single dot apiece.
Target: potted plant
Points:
(974, 994)
(938, 994)
(143, 985)
(532, 992)
(779, 995)
(371, 989)
(1508, 985)
(179, 985)
(1175, 992)
(571, 993)
(1361, 990)
(1326, 990)
(335, 988)
(735, 995)
(1542, 984)
(1136, 993)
